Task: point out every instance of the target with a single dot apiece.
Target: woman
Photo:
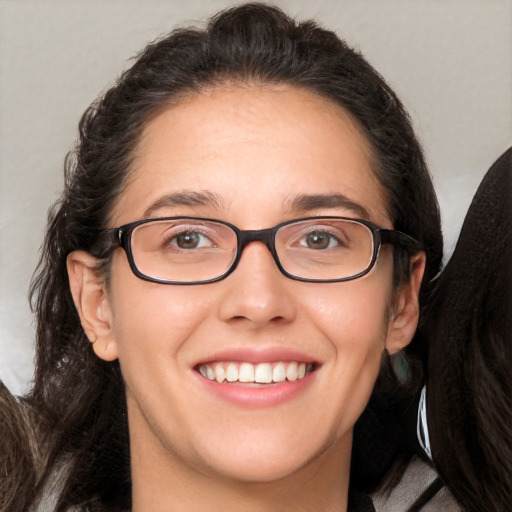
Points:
(242, 240)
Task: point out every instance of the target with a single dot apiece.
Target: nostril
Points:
(274, 319)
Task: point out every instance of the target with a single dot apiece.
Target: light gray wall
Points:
(449, 60)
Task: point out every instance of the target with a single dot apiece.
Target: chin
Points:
(261, 470)
(273, 459)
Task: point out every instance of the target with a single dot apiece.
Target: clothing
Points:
(404, 497)
(358, 502)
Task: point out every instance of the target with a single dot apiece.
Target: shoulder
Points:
(419, 484)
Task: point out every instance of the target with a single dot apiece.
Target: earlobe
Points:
(404, 320)
(89, 293)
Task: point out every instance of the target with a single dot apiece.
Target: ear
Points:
(404, 318)
(89, 292)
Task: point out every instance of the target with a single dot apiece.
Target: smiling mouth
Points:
(261, 373)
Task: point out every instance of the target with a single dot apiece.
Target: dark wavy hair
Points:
(469, 330)
(78, 401)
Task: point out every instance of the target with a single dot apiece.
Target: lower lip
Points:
(258, 396)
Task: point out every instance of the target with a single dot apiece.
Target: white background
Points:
(449, 61)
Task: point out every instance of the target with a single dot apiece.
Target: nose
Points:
(256, 292)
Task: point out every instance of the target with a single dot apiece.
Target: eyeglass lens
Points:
(189, 250)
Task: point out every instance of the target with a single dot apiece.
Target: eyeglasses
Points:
(193, 250)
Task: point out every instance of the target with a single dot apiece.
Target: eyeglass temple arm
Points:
(391, 236)
(106, 242)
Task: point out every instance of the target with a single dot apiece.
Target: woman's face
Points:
(254, 157)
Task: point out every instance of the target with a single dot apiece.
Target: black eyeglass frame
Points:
(111, 239)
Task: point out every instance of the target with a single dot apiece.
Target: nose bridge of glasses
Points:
(265, 236)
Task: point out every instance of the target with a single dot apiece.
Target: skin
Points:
(256, 149)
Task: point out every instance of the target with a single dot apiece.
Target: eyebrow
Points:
(183, 198)
(302, 203)
(308, 202)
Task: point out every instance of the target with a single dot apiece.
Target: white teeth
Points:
(232, 372)
(291, 372)
(220, 373)
(262, 373)
(246, 372)
(279, 372)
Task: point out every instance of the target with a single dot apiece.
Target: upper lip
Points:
(257, 355)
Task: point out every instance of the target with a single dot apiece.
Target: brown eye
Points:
(188, 240)
(319, 240)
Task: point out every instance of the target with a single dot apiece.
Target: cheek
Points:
(354, 315)
(353, 319)
(149, 317)
(356, 332)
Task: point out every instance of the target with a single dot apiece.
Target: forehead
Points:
(252, 147)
